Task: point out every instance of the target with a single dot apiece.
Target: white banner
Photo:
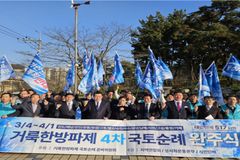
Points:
(179, 138)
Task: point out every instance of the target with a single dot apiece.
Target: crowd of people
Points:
(111, 105)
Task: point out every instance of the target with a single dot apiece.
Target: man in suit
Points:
(176, 109)
(209, 110)
(67, 109)
(98, 108)
(28, 109)
(148, 110)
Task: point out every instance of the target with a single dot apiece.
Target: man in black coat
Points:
(148, 110)
(177, 109)
(68, 108)
(29, 109)
(209, 110)
(98, 108)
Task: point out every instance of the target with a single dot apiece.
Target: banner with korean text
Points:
(179, 138)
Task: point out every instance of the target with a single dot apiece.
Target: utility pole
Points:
(75, 45)
(75, 6)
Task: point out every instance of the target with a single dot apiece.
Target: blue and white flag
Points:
(214, 83)
(86, 63)
(151, 54)
(6, 70)
(232, 68)
(204, 89)
(138, 74)
(35, 77)
(89, 83)
(70, 78)
(147, 81)
(117, 74)
(101, 73)
(157, 81)
(165, 71)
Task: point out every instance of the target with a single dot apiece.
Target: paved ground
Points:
(13, 156)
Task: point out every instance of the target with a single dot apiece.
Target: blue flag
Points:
(70, 78)
(86, 63)
(151, 54)
(101, 73)
(138, 74)
(6, 70)
(156, 76)
(89, 83)
(232, 68)
(164, 69)
(166, 72)
(204, 89)
(147, 81)
(78, 114)
(117, 74)
(214, 83)
(35, 77)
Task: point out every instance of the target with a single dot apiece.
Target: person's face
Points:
(147, 99)
(209, 101)
(122, 102)
(232, 101)
(57, 98)
(43, 96)
(170, 98)
(88, 96)
(24, 94)
(31, 93)
(129, 96)
(49, 93)
(185, 96)
(6, 98)
(193, 98)
(35, 99)
(178, 96)
(98, 97)
(110, 95)
(69, 98)
(123, 93)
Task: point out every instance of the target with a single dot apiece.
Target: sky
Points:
(29, 18)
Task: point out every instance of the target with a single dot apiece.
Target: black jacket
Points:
(63, 111)
(25, 110)
(92, 112)
(173, 112)
(142, 112)
(202, 112)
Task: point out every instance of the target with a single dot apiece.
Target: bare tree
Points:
(59, 48)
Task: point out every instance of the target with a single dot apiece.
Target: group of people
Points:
(111, 105)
